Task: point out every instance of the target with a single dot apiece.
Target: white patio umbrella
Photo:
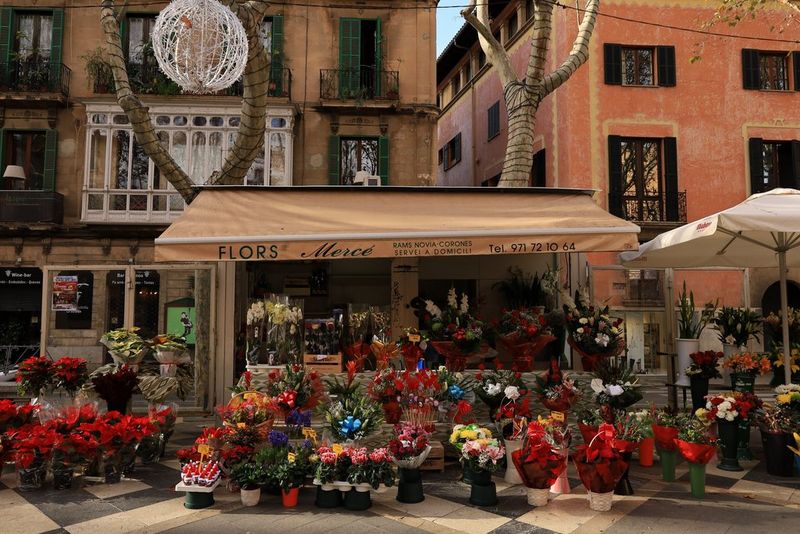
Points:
(762, 231)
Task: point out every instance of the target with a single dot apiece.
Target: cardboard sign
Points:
(557, 416)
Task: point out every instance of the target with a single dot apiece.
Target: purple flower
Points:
(277, 438)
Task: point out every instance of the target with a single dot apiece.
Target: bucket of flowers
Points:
(419, 400)
(555, 391)
(453, 331)
(729, 411)
(170, 352)
(294, 387)
(703, 368)
(615, 387)
(698, 447)
(541, 460)
(409, 448)
(592, 332)
(454, 396)
(665, 430)
(385, 388)
(745, 367)
(491, 384)
(600, 466)
(629, 430)
(524, 333)
(482, 457)
(125, 346)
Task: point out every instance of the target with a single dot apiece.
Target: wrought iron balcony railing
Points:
(31, 206)
(362, 83)
(663, 208)
(34, 75)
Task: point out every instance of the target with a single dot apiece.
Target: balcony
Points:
(360, 84)
(34, 79)
(654, 214)
(31, 207)
(147, 79)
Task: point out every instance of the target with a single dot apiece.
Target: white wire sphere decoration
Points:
(200, 44)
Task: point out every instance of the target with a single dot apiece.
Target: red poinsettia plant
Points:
(13, 416)
(35, 375)
(600, 465)
(32, 445)
(70, 374)
(542, 458)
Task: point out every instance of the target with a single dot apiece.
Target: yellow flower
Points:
(797, 441)
(454, 436)
(470, 434)
(337, 448)
(784, 399)
(291, 457)
(700, 413)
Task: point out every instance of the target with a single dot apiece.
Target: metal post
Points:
(787, 349)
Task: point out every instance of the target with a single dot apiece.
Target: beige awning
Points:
(305, 223)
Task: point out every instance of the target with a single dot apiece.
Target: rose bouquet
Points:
(35, 376)
(490, 385)
(294, 388)
(385, 386)
(70, 374)
(556, 392)
(410, 446)
(615, 387)
(600, 466)
(482, 454)
(729, 406)
(704, 364)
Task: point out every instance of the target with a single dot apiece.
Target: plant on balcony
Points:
(98, 70)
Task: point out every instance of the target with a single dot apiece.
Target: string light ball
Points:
(200, 44)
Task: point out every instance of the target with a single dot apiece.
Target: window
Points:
(349, 155)
(467, 72)
(512, 25)
(641, 66)
(770, 71)
(481, 58)
(529, 9)
(138, 45)
(539, 169)
(26, 149)
(122, 184)
(30, 49)
(451, 152)
(439, 156)
(360, 58)
(80, 318)
(493, 116)
(643, 179)
(774, 164)
(455, 84)
(33, 35)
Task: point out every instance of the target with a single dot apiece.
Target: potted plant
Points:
(73, 446)
(648, 443)
(115, 385)
(460, 435)
(541, 460)
(777, 422)
(593, 333)
(728, 410)
(35, 376)
(330, 468)
(455, 395)
(409, 347)
(744, 368)
(453, 331)
(698, 447)
(125, 346)
(589, 420)
(525, 333)
(615, 388)
(70, 374)
(385, 388)
(98, 71)
(483, 457)
(773, 332)
(291, 473)
(600, 466)
(31, 449)
(248, 476)
(490, 385)
(703, 368)
(690, 327)
(665, 430)
(352, 418)
(556, 392)
(367, 470)
(735, 326)
(629, 431)
(170, 351)
(409, 448)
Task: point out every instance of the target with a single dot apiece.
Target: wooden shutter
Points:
(613, 63)
(540, 169)
(378, 57)
(796, 68)
(50, 159)
(666, 66)
(276, 61)
(334, 159)
(56, 39)
(750, 73)
(383, 159)
(6, 43)
(446, 155)
(615, 175)
(349, 57)
(671, 179)
(795, 164)
(756, 149)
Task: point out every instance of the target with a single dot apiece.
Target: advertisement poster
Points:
(181, 321)
(65, 293)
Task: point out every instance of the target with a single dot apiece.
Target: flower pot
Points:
(699, 389)
(250, 497)
(780, 459)
(150, 448)
(600, 502)
(624, 486)
(697, 479)
(392, 412)
(646, 450)
(743, 448)
(744, 382)
(561, 485)
(587, 432)
(512, 476)
(328, 498)
(481, 477)
(466, 474)
(113, 473)
(31, 479)
(289, 497)
(483, 495)
(728, 434)
(409, 489)
(684, 347)
(667, 459)
(538, 497)
(357, 500)
(62, 477)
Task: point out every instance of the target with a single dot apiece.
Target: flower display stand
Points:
(358, 498)
(483, 491)
(409, 490)
(435, 459)
(328, 496)
(197, 497)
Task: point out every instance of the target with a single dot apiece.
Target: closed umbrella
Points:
(762, 231)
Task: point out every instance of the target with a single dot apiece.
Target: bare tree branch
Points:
(540, 42)
(478, 18)
(580, 50)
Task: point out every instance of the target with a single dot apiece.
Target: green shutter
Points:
(378, 56)
(334, 155)
(123, 35)
(6, 43)
(50, 157)
(349, 57)
(666, 65)
(383, 159)
(276, 62)
(56, 40)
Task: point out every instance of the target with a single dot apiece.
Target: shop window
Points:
(644, 179)
(774, 164)
(451, 152)
(770, 70)
(493, 120)
(639, 65)
(349, 155)
(80, 317)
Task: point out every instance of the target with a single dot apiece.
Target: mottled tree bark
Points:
(523, 96)
(249, 140)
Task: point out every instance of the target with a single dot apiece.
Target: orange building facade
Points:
(666, 124)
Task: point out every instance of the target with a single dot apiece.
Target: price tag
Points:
(414, 338)
(557, 416)
(204, 449)
(310, 433)
(250, 395)
(241, 425)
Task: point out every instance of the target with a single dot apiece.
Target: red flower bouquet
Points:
(524, 334)
(116, 387)
(70, 374)
(665, 429)
(306, 385)
(599, 464)
(554, 391)
(541, 459)
(34, 376)
(410, 445)
(704, 364)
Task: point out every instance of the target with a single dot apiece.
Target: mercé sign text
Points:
(332, 250)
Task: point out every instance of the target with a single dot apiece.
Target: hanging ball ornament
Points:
(200, 44)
